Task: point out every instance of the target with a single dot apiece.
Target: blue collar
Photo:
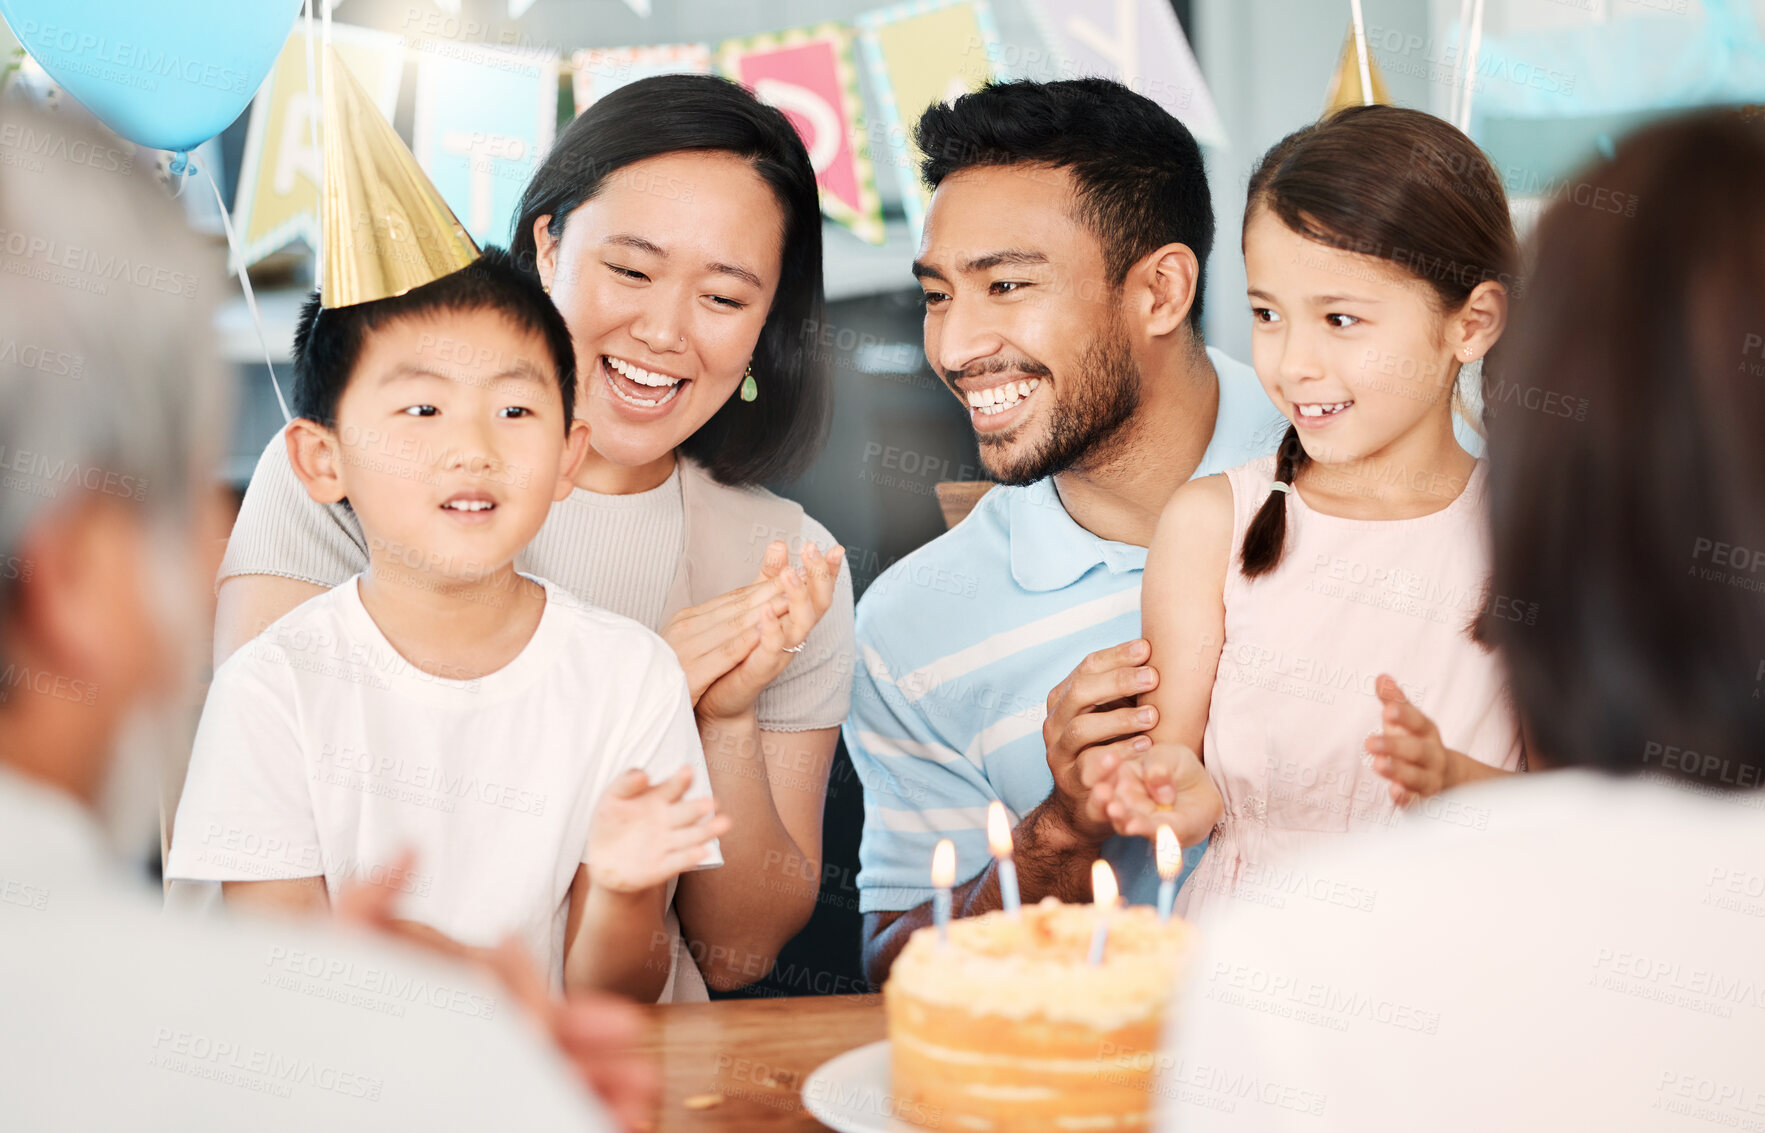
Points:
(1050, 551)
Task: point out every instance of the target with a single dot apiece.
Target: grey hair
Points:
(109, 379)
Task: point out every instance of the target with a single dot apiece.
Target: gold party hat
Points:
(385, 227)
(1345, 84)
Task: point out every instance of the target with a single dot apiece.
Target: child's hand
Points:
(642, 835)
(1168, 786)
(1410, 752)
(808, 592)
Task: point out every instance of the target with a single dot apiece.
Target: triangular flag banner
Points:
(485, 119)
(918, 53)
(280, 173)
(386, 227)
(809, 74)
(597, 72)
(1345, 84)
(1138, 43)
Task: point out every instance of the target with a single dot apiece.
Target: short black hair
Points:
(328, 340)
(1141, 180)
(777, 436)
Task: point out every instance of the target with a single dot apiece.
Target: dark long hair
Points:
(1628, 536)
(1396, 184)
(779, 434)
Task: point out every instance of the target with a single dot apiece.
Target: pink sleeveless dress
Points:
(1294, 699)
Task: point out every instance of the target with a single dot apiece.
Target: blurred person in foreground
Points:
(111, 417)
(1582, 952)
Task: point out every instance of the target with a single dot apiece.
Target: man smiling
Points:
(1062, 269)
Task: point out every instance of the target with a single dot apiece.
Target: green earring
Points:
(750, 389)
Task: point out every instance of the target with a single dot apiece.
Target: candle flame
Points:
(1103, 887)
(998, 830)
(944, 864)
(1170, 854)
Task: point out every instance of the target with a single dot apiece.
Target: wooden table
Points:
(753, 1054)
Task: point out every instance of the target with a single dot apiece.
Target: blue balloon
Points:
(166, 74)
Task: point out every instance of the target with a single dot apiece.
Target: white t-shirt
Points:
(323, 752)
(1555, 951)
(117, 1017)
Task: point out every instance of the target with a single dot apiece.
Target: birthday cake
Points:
(1008, 1026)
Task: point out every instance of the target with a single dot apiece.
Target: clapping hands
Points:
(735, 645)
(1409, 751)
(644, 834)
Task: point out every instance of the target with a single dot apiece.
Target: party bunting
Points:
(599, 71)
(919, 53)
(278, 198)
(1138, 43)
(485, 118)
(486, 115)
(809, 74)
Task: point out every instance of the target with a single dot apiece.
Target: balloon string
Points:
(1458, 63)
(1476, 47)
(1360, 52)
(245, 285)
(316, 100)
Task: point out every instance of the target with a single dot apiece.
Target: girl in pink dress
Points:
(1311, 614)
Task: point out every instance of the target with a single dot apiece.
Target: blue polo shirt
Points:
(959, 644)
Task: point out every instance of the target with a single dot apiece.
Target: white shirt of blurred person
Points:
(1578, 949)
(114, 1016)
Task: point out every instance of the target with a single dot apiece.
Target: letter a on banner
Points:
(279, 175)
(809, 74)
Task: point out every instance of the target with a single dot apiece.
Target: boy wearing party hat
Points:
(516, 763)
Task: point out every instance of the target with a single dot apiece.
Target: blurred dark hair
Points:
(1623, 530)
(328, 340)
(1141, 182)
(778, 435)
(1396, 184)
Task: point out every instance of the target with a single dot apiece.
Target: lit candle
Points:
(943, 876)
(999, 838)
(1103, 893)
(1170, 863)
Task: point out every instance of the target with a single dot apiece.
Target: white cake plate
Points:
(851, 1093)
